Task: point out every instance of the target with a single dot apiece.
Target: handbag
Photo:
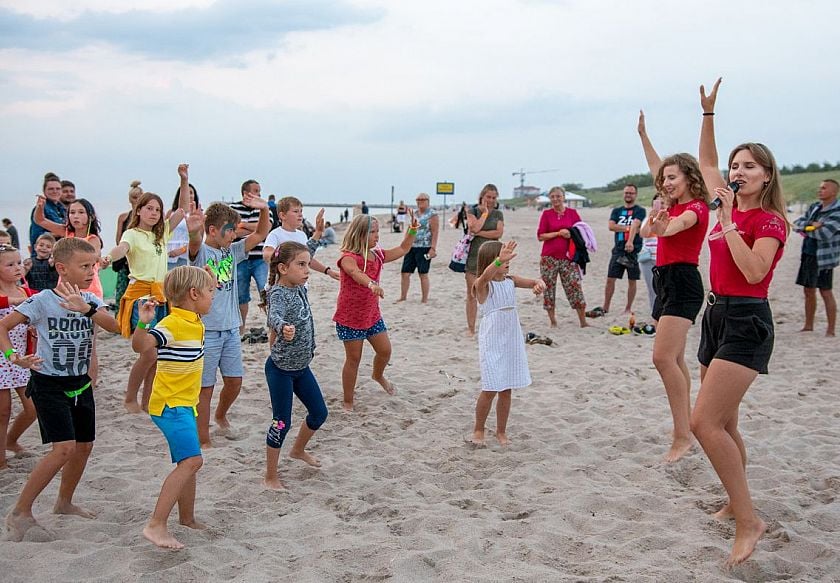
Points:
(458, 262)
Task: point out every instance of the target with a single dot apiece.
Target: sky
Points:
(338, 101)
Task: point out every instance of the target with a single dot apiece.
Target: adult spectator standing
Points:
(554, 231)
(255, 267)
(625, 222)
(12, 231)
(423, 250)
(365, 209)
(53, 209)
(486, 223)
(68, 193)
(820, 227)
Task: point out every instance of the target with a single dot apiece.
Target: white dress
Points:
(501, 346)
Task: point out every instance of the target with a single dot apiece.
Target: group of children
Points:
(184, 322)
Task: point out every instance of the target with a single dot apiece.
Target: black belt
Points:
(712, 299)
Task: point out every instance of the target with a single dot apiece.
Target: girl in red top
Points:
(357, 316)
(680, 229)
(554, 232)
(737, 335)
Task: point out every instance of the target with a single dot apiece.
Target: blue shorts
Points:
(180, 429)
(252, 267)
(222, 351)
(161, 311)
(345, 333)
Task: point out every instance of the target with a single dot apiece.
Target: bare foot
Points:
(222, 422)
(585, 325)
(475, 438)
(308, 458)
(724, 513)
(348, 407)
(3, 464)
(829, 334)
(161, 537)
(206, 445)
(679, 448)
(132, 407)
(502, 438)
(18, 524)
(424, 301)
(194, 524)
(386, 384)
(470, 333)
(746, 537)
(806, 329)
(72, 509)
(15, 448)
(273, 484)
(399, 300)
(552, 324)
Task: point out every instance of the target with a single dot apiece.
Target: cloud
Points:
(222, 29)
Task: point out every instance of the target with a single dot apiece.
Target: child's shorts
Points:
(180, 429)
(345, 333)
(62, 417)
(222, 351)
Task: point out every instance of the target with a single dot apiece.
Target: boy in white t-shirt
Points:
(290, 210)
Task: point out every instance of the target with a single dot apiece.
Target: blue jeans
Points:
(281, 385)
(252, 267)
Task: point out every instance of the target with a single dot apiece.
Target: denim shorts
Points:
(161, 311)
(180, 429)
(222, 351)
(345, 333)
(252, 267)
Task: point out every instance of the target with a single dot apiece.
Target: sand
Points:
(581, 494)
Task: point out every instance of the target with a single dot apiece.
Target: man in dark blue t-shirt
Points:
(625, 222)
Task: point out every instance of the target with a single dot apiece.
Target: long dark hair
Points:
(176, 204)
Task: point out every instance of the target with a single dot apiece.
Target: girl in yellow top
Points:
(144, 243)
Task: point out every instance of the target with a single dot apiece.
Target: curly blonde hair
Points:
(691, 169)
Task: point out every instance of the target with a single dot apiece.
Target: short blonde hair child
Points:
(67, 247)
(179, 281)
(356, 237)
(287, 203)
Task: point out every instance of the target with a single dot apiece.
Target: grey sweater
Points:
(290, 305)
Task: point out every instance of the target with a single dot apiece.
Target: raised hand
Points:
(146, 312)
(413, 222)
(319, 221)
(184, 171)
(195, 219)
(707, 102)
(508, 251)
(72, 297)
(641, 127)
(288, 332)
(253, 201)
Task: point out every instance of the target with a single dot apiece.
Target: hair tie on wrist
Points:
(708, 113)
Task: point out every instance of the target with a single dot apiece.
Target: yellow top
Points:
(147, 262)
(180, 348)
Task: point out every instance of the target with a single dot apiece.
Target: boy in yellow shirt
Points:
(179, 341)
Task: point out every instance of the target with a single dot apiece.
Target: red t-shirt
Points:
(557, 247)
(724, 275)
(357, 307)
(684, 247)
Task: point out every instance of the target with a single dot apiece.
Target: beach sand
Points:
(581, 494)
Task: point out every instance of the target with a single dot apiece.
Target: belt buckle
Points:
(711, 298)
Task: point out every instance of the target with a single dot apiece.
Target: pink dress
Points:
(11, 376)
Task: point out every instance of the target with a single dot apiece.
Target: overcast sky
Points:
(339, 100)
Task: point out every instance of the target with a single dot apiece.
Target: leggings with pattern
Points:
(550, 268)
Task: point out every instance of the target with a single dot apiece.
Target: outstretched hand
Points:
(32, 361)
(707, 102)
(72, 296)
(413, 223)
(253, 201)
(659, 222)
(641, 127)
(195, 219)
(507, 252)
(539, 287)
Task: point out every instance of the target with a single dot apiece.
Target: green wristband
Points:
(142, 325)
(412, 232)
(8, 354)
(497, 262)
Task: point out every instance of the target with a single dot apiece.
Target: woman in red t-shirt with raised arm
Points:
(737, 335)
(554, 231)
(680, 229)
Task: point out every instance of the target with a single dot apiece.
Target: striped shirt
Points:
(827, 237)
(180, 358)
(251, 216)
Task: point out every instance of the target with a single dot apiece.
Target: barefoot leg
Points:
(71, 474)
(482, 410)
(186, 506)
(5, 414)
(170, 493)
(231, 388)
(205, 398)
(382, 346)
(22, 421)
(669, 359)
(502, 414)
(309, 393)
(350, 370)
(271, 480)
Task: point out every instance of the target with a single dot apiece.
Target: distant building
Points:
(526, 191)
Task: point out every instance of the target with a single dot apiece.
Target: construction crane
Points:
(522, 173)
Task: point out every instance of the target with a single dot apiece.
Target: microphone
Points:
(734, 186)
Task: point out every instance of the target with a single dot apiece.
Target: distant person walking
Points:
(365, 209)
(820, 227)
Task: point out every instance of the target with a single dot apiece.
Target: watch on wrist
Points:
(92, 312)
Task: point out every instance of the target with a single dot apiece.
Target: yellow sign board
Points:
(446, 188)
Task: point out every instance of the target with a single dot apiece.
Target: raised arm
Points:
(653, 160)
(708, 149)
(404, 247)
(263, 224)
(184, 198)
(41, 220)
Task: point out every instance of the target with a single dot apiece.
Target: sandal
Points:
(595, 312)
(618, 330)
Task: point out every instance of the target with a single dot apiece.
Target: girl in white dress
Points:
(501, 346)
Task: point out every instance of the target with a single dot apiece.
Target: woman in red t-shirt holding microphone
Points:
(681, 229)
(737, 334)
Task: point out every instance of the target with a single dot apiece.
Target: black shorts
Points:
(616, 270)
(415, 259)
(810, 274)
(738, 332)
(679, 291)
(63, 418)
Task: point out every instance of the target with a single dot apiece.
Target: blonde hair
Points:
(135, 189)
(287, 203)
(67, 247)
(179, 281)
(356, 237)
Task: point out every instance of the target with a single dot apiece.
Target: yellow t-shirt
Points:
(146, 262)
(180, 348)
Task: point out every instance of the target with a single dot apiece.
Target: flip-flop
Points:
(618, 330)
(595, 312)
